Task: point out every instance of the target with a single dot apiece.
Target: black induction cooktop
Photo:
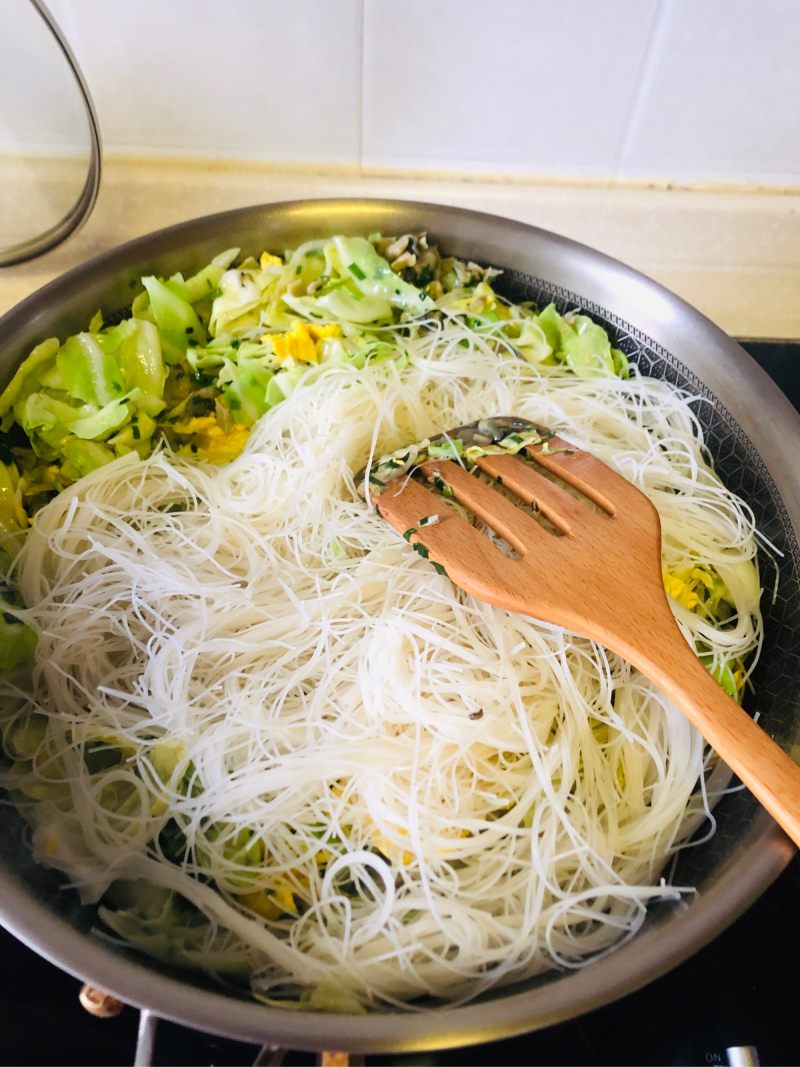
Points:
(736, 1001)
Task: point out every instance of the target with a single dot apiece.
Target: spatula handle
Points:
(767, 771)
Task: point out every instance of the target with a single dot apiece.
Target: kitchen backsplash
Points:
(664, 90)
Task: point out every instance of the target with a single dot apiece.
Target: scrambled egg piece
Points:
(273, 904)
(301, 341)
(691, 588)
(680, 590)
(268, 260)
(212, 442)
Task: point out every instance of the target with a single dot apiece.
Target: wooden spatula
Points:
(573, 580)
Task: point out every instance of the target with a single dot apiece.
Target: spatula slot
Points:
(582, 472)
(437, 529)
(511, 522)
(571, 490)
(531, 507)
(557, 504)
(447, 504)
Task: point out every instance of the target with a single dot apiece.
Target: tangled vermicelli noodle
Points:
(380, 783)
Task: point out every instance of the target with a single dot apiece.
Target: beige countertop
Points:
(733, 254)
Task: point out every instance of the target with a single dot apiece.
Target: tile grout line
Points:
(645, 77)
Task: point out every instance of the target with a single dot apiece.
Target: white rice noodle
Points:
(456, 796)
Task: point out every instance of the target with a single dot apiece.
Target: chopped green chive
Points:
(356, 271)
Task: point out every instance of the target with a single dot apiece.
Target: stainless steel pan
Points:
(754, 434)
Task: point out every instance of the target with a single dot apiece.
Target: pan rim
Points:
(658, 948)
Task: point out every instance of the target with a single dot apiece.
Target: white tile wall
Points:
(511, 86)
(40, 103)
(683, 90)
(266, 79)
(720, 97)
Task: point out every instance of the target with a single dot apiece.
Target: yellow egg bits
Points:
(695, 587)
(300, 342)
(211, 441)
(208, 438)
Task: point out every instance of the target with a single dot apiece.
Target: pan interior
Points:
(776, 680)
